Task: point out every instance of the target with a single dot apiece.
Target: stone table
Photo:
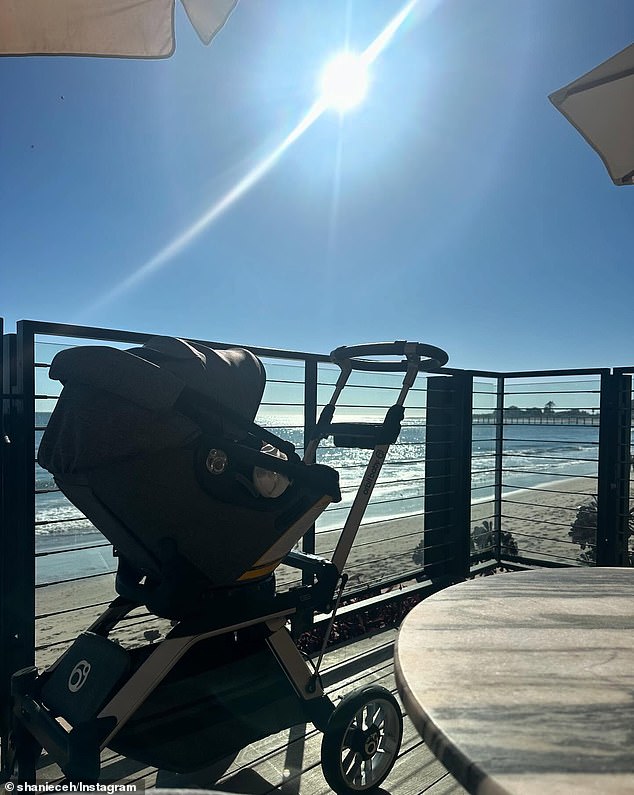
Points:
(524, 683)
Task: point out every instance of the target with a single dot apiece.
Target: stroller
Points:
(157, 446)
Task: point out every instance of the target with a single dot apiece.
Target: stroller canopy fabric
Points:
(124, 28)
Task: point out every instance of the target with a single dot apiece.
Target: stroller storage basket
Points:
(222, 695)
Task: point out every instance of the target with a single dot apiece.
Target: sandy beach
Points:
(538, 518)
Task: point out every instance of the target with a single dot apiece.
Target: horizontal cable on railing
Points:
(521, 422)
(516, 454)
(562, 413)
(438, 548)
(379, 483)
(508, 501)
(484, 519)
(570, 379)
(551, 441)
(283, 427)
(78, 518)
(388, 462)
(544, 556)
(449, 493)
(277, 404)
(436, 477)
(395, 388)
(321, 533)
(79, 608)
(441, 544)
(421, 409)
(365, 544)
(560, 475)
(51, 552)
(379, 502)
(398, 555)
(514, 487)
(438, 425)
(530, 392)
(76, 579)
(518, 535)
(537, 521)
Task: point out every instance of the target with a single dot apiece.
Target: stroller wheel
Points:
(362, 740)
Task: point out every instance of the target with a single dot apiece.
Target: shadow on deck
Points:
(289, 762)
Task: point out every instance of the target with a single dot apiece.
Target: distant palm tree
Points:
(548, 408)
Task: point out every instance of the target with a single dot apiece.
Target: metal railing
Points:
(551, 452)
(518, 469)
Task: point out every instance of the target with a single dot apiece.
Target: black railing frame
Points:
(614, 465)
(615, 426)
(448, 477)
(17, 537)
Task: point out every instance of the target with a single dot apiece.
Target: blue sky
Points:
(456, 206)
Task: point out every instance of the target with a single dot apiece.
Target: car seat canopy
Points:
(118, 403)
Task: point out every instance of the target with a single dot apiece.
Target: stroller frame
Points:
(361, 735)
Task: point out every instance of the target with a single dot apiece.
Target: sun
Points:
(344, 81)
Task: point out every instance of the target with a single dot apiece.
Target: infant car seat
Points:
(156, 445)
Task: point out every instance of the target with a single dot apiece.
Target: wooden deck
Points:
(289, 762)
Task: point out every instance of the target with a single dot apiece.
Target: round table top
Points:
(524, 682)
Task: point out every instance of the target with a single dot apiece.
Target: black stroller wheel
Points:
(362, 740)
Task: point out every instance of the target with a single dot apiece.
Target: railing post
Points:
(7, 485)
(448, 439)
(310, 420)
(499, 453)
(4, 561)
(17, 537)
(614, 467)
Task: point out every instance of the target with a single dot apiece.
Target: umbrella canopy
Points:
(601, 106)
(119, 28)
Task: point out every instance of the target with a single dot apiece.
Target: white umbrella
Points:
(601, 106)
(123, 28)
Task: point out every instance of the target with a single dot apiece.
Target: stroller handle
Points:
(356, 356)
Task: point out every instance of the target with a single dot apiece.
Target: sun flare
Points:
(344, 81)
(343, 85)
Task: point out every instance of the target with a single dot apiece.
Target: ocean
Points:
(68, 546)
